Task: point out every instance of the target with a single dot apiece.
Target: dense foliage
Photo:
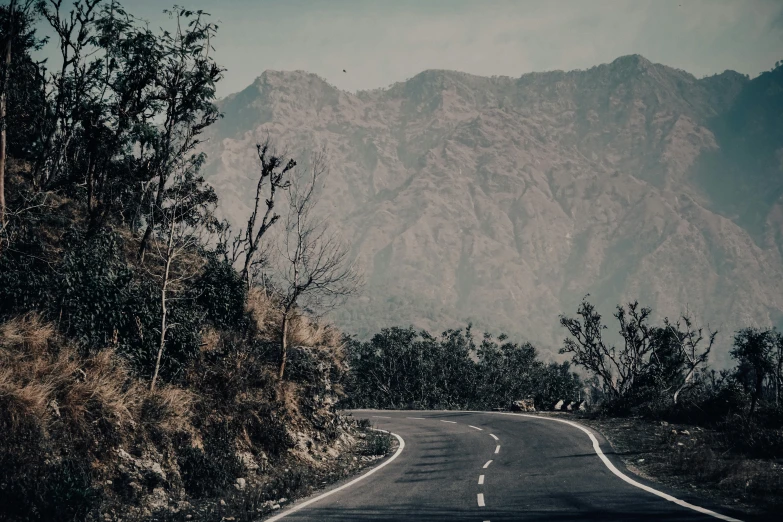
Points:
(403, 368)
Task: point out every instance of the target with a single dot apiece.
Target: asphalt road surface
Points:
(459, 466)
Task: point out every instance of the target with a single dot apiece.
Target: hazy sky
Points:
(380, 42)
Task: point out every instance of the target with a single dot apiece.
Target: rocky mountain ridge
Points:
(502, 201)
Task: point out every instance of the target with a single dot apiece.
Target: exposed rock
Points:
(523, 405)
(248, 460)
(240, 484)
(504, 201)
(158, 499)
(559, 405)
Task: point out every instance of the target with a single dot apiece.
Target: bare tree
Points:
(246, 244)
(186, 220)
(618, 368)
(317, 274)
(688, 345)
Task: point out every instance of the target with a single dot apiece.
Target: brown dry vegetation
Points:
(81, 431)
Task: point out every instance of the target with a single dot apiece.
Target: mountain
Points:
(503, 201)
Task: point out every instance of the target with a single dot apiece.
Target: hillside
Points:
(504, 200)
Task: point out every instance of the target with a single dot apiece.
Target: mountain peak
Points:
(632, 60)
(275, 77)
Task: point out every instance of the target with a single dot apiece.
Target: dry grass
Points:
(45, 381)
(303, 331)
(264, 311)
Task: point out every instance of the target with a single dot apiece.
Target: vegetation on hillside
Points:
(141, 373)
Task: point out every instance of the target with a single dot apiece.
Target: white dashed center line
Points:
(493, 436)
(487, 464)
(450, 422)
(416, 418)
(497, 449)
(481, 499)
(380, 417)
(475, 428)
(481, 480)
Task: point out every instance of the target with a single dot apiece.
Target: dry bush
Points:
(168, 408)
(264, 312)
(210, 339)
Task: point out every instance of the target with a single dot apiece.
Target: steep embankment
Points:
(505, 200)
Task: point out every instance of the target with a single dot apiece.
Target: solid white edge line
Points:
(480, 499)
(481, 480)
(485, 466)
(493, 436)
(348, 484)
(497, 449)
(450, 422)
(620, 474)
(475, 427)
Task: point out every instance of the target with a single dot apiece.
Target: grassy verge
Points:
(695, 459)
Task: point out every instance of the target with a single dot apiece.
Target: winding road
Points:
(478, 467)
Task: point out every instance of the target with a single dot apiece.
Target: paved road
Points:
(479, 467)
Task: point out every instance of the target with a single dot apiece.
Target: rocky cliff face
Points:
(503, 201)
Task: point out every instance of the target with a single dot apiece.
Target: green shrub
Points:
(377, 443)
(211, 471)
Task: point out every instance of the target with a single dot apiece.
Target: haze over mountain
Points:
(503, 201)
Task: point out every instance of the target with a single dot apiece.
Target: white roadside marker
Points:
(493, 436)
(481, 499)
(497, 449)
(450, 422)
(487, 464)
(475, 428)
(481, 480)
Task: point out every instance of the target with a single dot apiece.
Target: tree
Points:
(186, 79)
(618, 369)
(16, 21)
(272, 178)
(316, 272)
(691, 354)
(187, 216)
(754, 348)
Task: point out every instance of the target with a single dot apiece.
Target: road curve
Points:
(478, 467)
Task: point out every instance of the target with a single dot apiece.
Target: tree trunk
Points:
(3, 102)
(757, 393)
(283, 347)
(158, 204)
(163, 327)
(164, 309)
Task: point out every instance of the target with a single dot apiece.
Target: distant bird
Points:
(344, 70)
